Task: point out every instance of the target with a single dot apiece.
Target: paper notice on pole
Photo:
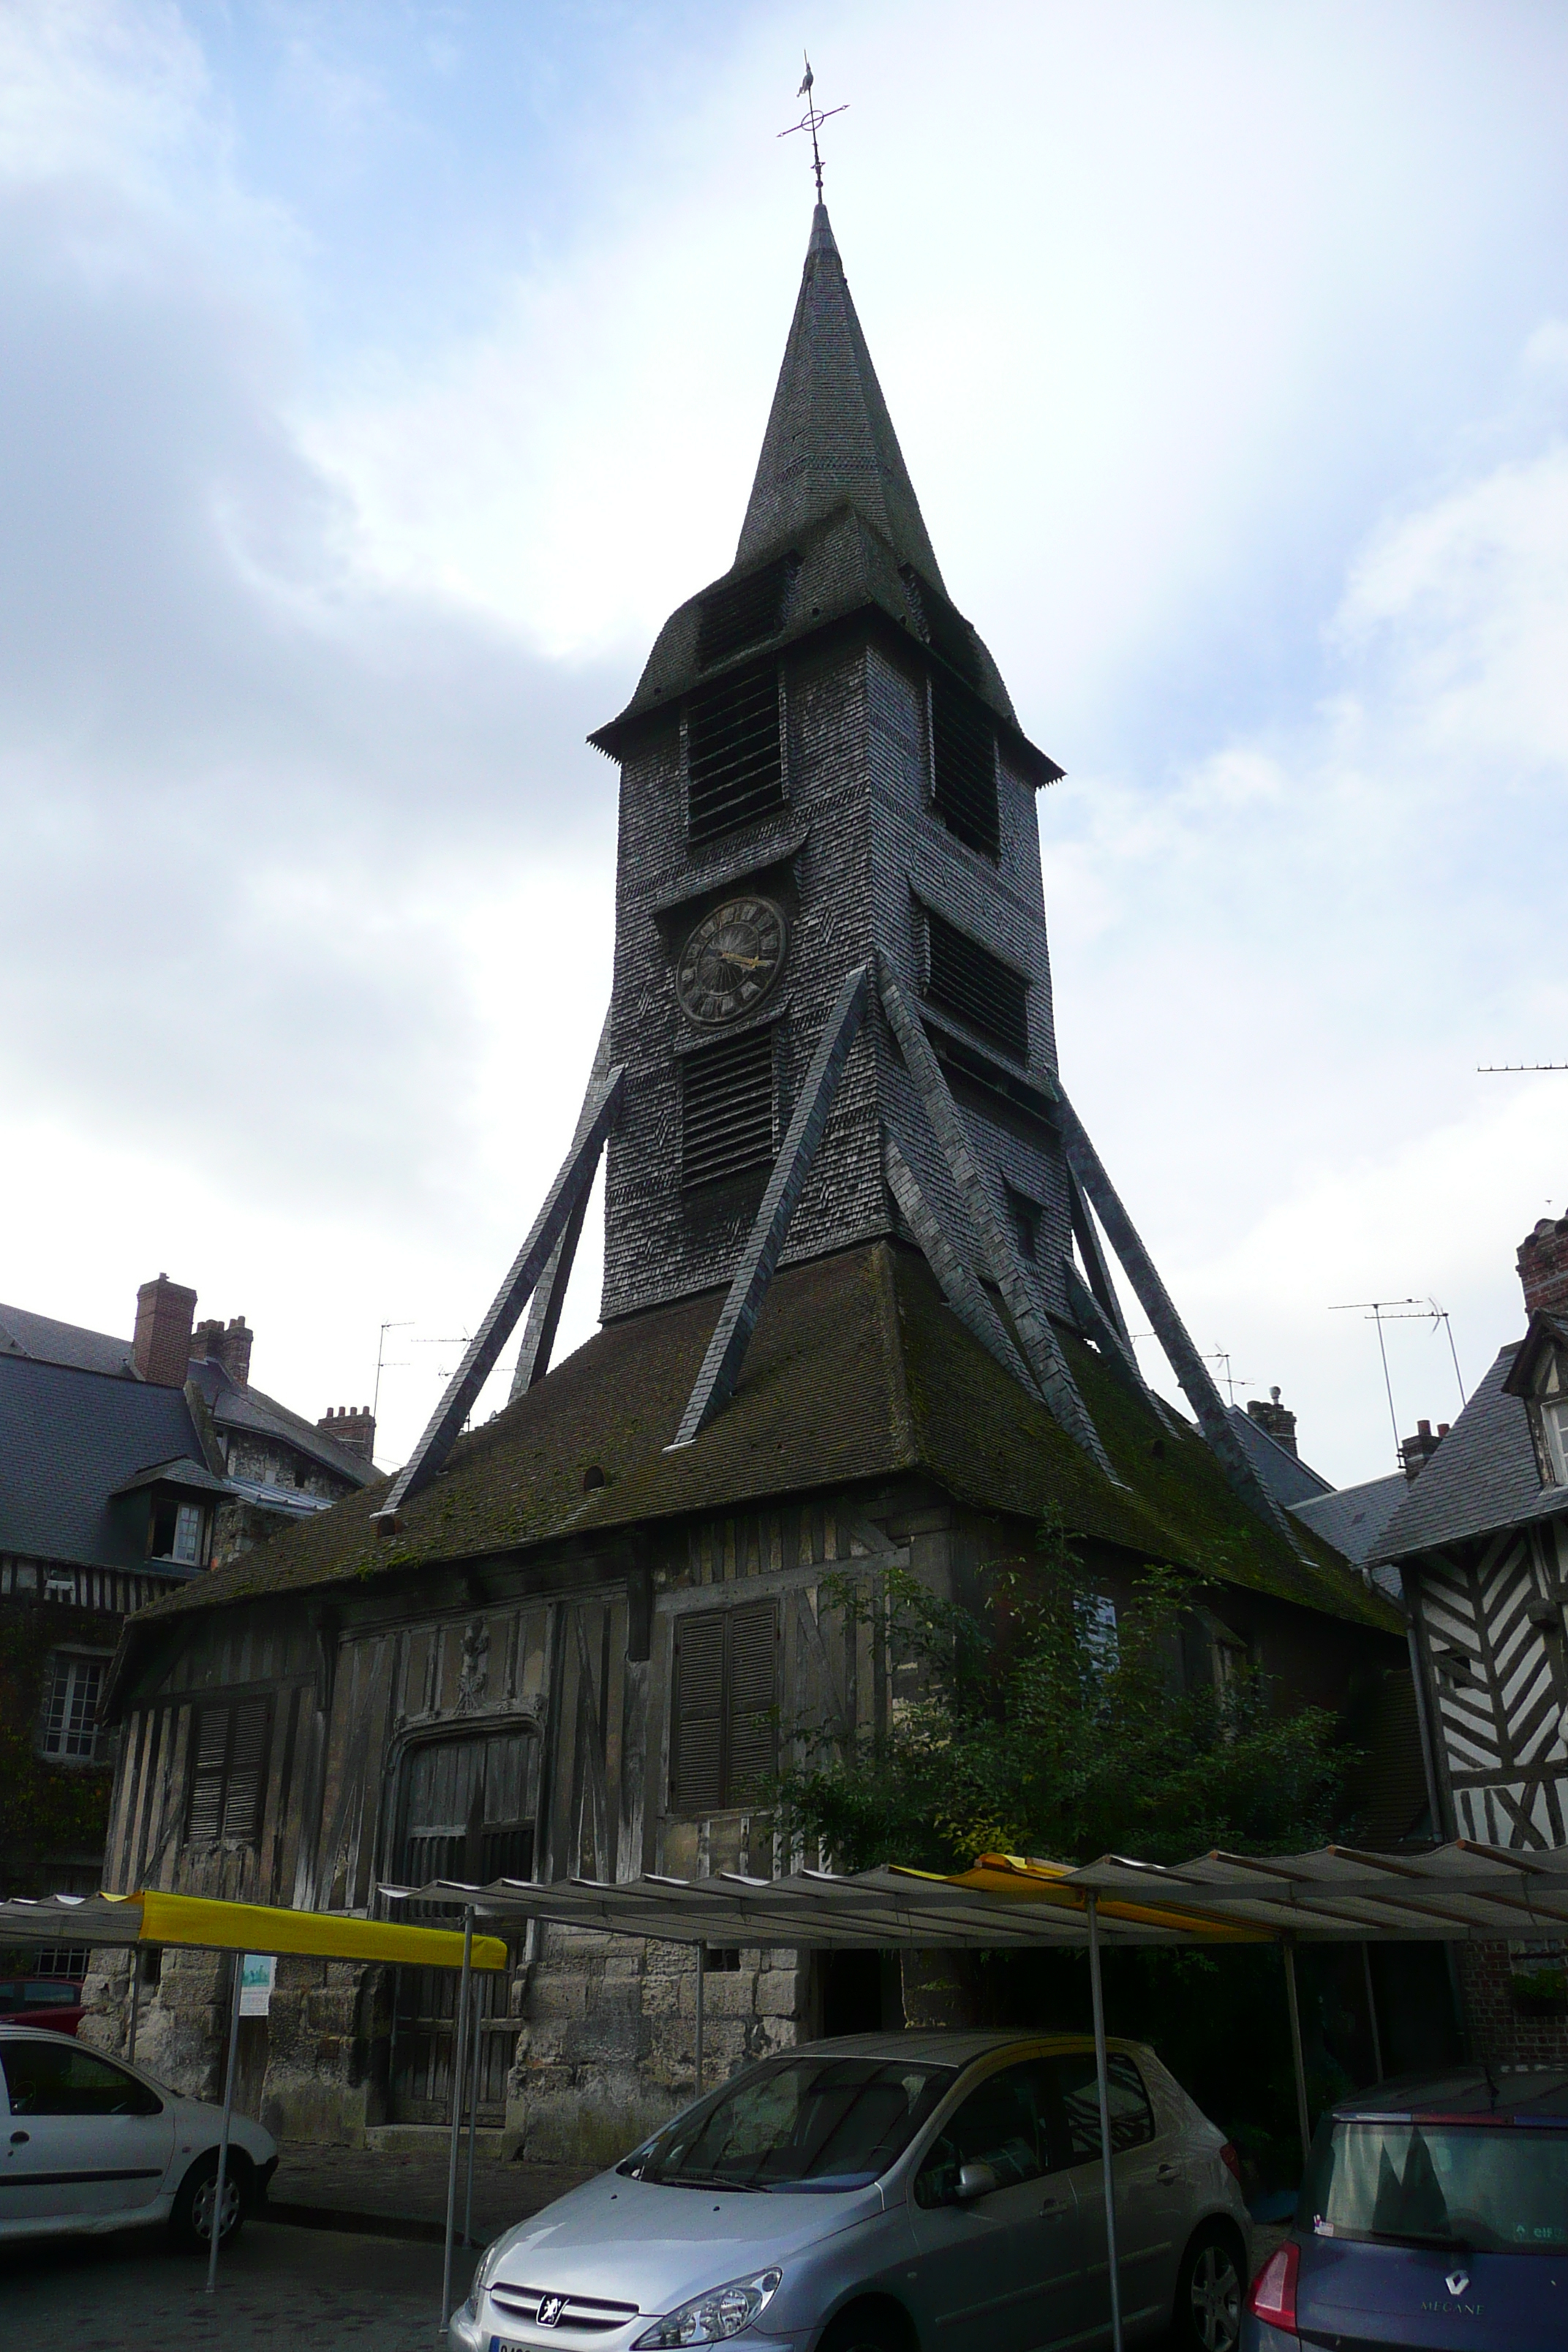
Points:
(258, 1972)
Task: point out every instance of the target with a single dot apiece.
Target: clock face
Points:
(731, 959)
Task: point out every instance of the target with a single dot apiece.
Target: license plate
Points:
(508, 2344)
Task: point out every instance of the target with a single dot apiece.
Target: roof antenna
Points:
(813, 121)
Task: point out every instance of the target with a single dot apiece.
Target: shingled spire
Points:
(830, 440)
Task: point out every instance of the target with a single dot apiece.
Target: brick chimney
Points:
(1543, 1267)
(1417, 1451)
(212, 1344)
(354, 1426)
(1276, 1418)
(161, 1346)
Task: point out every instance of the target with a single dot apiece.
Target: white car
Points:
(910, 2192)
(89, 2144)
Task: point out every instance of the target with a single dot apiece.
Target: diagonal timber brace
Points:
(732, 1334)
(1086, 1235)
(1153, 1297)
(1097, 1325)
(959, 1287)
(570, 1185)
(550, 1295)
(1035, 1336)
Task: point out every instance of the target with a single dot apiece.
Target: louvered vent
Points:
(733, 754)
(727, 1108)
(724, 1744)
(742, 613)
(986, 993)
(963, 766)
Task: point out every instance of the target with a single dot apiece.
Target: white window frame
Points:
(71, 1669)
(1554, 1432)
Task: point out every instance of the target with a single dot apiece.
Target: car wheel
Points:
(1209, 2294)
(866, 2328)
(191, 2222)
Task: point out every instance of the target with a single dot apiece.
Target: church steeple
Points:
(830, 441)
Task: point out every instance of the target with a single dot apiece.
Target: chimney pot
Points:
(1417, 1451)
(1276, 1419)
(161, 1346)
(354, 1430)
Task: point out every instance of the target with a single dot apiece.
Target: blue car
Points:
(1434, 2216)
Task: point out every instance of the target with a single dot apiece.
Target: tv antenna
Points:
(381, 1359)
(813, 120)
(1494, 1069)
(1233, 1380)
(1381, 1311)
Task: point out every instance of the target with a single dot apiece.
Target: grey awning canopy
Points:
(1337, 1894)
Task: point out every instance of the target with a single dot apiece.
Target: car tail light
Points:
(1273, 2295)
(1232, 2162)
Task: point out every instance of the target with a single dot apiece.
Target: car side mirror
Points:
(974, 2181)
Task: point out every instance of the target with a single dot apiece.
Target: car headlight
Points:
(723, 2311)
(483, 2275)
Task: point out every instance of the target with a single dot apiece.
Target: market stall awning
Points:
(203, 1925)
(1335, 1894)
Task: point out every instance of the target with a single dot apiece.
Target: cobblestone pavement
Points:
(410, 2189)
(278, 2289)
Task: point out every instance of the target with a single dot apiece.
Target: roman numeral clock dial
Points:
(731, 959)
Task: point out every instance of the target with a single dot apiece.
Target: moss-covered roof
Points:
(857, 1370)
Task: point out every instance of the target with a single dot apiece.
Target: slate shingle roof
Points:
(1288, 1478)
(1352, 1518)
(1483, 1477)
(67, 1439)
(858, 1370)
(250, 1412)
(23, 1333)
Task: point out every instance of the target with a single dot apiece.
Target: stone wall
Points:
(1502, 2033)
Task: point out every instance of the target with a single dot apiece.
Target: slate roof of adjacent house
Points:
(1288, 1478)
(194, 1478)
(1483, 1477)
(833, 494)
(23, 1333)
(68, 1438)
(858, 1370)
(247, 1410)
(1352, 1518)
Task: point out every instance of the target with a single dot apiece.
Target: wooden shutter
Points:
(724, 1740)
(697, 1739)
(209, 1752)
(246, 1786)
(753, 1699)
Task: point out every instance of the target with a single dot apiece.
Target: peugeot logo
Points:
(1456, 2282)
(551, 2307)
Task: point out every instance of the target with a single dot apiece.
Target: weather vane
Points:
(813, 121)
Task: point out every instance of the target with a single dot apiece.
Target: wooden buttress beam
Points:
(572, 1184)
(1155, 1300)
(550, 1294)
(1086, 1235)
(964, 1294)
(1032, 1325)
(726, 1353)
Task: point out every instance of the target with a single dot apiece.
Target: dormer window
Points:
(1539, 1375)
(179, 1531)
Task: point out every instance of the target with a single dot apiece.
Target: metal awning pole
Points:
(1102, 2083)
(219, 2183)
(697, 2026)
(476, 2039)
(1371, 2012)
(135, 2001)
(459, 2054)
(1288, 1946)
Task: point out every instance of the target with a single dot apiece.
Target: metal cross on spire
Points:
(813, 120)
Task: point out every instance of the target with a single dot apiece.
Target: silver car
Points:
(90, 2144)
(904, 2192)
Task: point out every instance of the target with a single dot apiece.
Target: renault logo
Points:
(551, 2307)
(1456, 2282)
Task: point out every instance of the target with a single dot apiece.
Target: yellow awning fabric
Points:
(216, 1927)
(199, 1924)
(1020, 1878)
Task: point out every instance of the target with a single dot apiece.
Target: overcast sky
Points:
(376, 376)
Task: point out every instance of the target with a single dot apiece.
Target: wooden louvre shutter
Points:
(248, 1746)
(752, 1698)
(696, 1748)
(209, 1752)
(724, 1737)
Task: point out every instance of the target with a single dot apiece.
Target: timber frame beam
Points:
(544, 1306)
(568, 1190)
(715, 1383)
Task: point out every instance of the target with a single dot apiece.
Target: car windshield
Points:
(1484, 2188)
(798, 2123)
